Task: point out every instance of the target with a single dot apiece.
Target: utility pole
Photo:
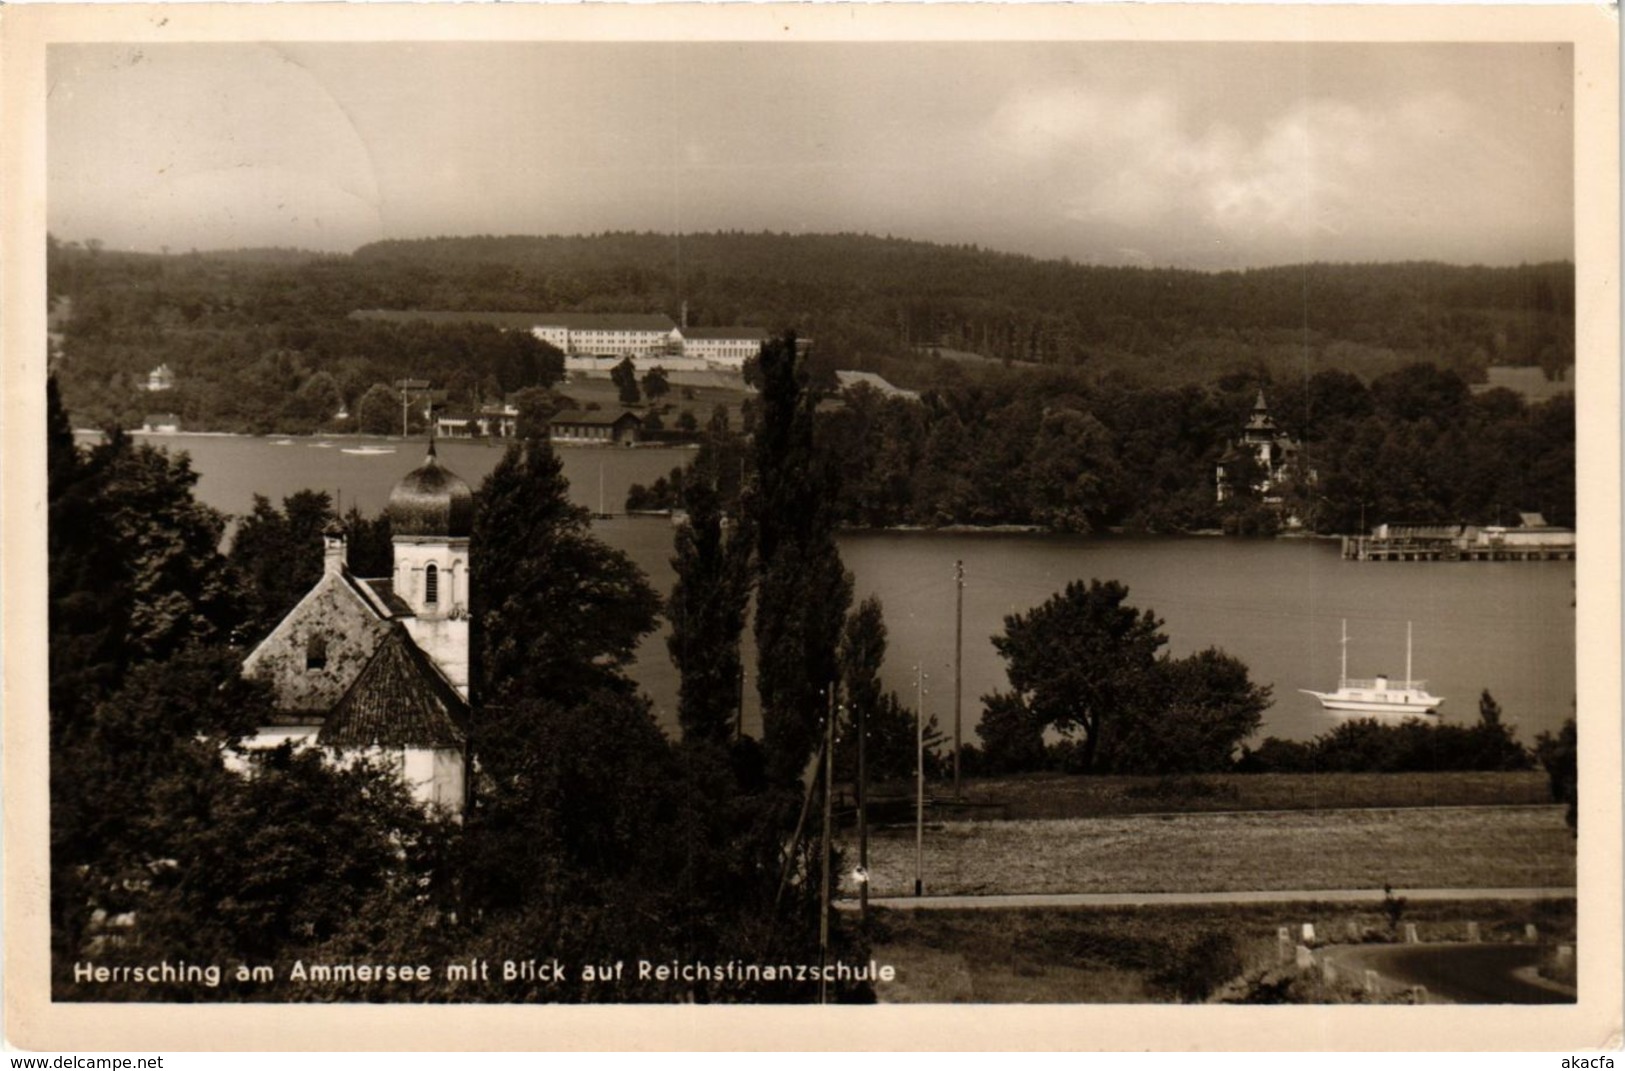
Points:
(919, 781)
(863, 814)
(823, 850)
(959, 658)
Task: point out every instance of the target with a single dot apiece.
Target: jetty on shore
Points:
(1532, 540)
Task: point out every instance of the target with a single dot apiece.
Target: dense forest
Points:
(1061, 395)
(1058, 451)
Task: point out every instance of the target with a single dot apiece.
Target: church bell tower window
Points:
(431, 585)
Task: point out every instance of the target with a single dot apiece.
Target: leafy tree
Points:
(280, 553)
(379, 411)
(891, 744)
(555, 613)
(369, 543)
(1493, 744)
(1078, 662)
(318, 400)
(1421, 391)
(536, 407)
(707, 615)
(1201, 709)
(1559, 757)
(165, 720)
(1012, 736)
(137, 572)
(655, 384)
(625, 378)
(281, 860)
(863, 654)
(1072, 471)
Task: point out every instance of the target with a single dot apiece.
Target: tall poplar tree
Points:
(803, 590)
(707, 615)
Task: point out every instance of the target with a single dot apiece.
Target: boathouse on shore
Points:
(617, 427)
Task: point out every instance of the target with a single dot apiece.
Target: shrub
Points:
(1193, 971)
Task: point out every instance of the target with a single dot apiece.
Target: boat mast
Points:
(1343, 678)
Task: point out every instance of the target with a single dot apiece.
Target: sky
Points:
(1200, 155)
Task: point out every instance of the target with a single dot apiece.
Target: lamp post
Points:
(919, 781)
(863, 813)
(959, 657)
(823, 848)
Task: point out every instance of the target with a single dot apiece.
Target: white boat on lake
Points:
(1379, 695)
(368, 451)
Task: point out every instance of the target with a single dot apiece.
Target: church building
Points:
(378, 668)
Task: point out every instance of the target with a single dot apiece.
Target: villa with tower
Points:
(1272, 451)
(378, 668)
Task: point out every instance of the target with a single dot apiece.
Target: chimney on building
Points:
(333, 548)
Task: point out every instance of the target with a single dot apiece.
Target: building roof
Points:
(1531, 382)
(525, 321)
(399, 700)
(1412, 530)
(848, 380)
(507, 321)
(593, 417)
(743, 334)
(380, 593)
(350, 617)
(606, 321)
(1260, 420)
(431, 500)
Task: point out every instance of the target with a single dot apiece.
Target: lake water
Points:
(1278, 605)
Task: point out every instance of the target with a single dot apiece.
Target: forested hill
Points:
(871, 295)
(262, 340)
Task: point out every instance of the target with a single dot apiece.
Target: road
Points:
(1271, 896)
(1459, 973)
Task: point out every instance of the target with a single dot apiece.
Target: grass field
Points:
(1126, 955)
(1072, 796)
(707, 388)
(1487, 847)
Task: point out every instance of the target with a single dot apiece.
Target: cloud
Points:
(1313, 170)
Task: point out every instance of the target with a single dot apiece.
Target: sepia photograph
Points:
(916, 515)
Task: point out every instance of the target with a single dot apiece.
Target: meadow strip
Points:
(1490, 847)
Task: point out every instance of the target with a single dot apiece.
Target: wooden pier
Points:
(1372, 549)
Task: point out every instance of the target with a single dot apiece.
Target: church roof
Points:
(381, 591)
(347, 620)
(399, 700)
(431, 500)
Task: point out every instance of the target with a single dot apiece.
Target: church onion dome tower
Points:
(432, 502)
